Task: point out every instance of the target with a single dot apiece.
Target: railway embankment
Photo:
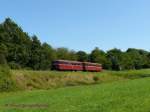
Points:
(13, 80)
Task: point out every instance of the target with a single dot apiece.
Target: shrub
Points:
(6, 81)
(14, 65)
(96, 78)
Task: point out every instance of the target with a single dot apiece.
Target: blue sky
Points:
(83, 24)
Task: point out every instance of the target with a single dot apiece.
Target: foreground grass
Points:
(119, 96)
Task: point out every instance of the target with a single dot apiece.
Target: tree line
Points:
(19, 50)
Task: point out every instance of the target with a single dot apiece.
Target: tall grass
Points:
(30, 80)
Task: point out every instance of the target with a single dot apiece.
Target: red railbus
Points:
(65, 65)
(95, 67)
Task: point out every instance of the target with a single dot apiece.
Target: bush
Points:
(6, 81)
(96, 78)
(14, 65)
(2, 59)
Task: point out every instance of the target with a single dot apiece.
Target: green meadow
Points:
(117, 96)
(53, 91)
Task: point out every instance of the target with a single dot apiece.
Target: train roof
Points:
(68, 61)
(89, 63)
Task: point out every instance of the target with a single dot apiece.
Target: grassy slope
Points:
(29, 80)
(119, 96)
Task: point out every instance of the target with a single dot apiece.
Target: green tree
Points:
(99, 56)
(16, 41)
(82, 56)
(62, 53)
(115, 55)
(3, 54)
(35, 53)
(47, 56)
(72, 55)
(139, 58)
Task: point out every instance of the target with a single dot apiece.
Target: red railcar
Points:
(95, 67)
(65, 65)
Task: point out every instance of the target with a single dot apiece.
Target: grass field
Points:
(51, 91)
(118, 96)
